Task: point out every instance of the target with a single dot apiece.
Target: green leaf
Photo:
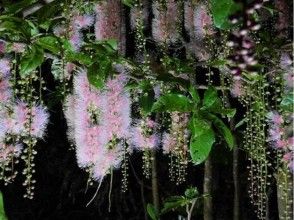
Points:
(192, 193)
(173, 203)
(17, 7)
(49, 43)
(229, 112)
(94, 77)
(221, 10)
(128, 3)
(2, 211)
(151, 211)
(172, 102)
(287, 102)
(146, 102)
(79, 57)
(223, 130)
(200, 146)
(211, 99)
(31, 60)
(112, 43)
(198, 126)
(240, 123)
(194, 94)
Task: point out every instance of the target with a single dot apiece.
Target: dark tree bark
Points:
(207, 189)
(155, 193)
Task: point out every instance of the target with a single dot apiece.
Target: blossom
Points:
(202, 22)
(7, 151)
(168, 143)
(108, 20)
(59, 30)
(275, 118)
(19, 118)
(18, 47)
(5, 91)
(237, 89)
(99, 122)
(83, 21)
(76, 39)
(39, 121)
(5, 67)
(144, 135)
(165, 21)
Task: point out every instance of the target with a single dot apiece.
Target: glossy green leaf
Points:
(146, 102)
(228, 112)
(151, 211)
(2, 211)
(221, 10)
(198, 126)
(128, 3)
(211, 99)
(192, 193)
(17, 7)
(240, 123)
(173, 203)
(172, 102)
(49, 43)
(201, 145)
(94, 76)
(223, 130)
(194, 94)
(287, 102)
(31, 60)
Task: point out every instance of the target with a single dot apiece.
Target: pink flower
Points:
(164, 24)
(202, 22)
(285, 61)
(18, 47)
(83, 21)
(76, 39)
(237, 89)
(288, 156)
(280, 144)
(39, 122)
(19, 119)
(275, 118)
(5, 91)
(168, 143)
(108, 20)
(5, 67)
(291, 166)
(59, 30)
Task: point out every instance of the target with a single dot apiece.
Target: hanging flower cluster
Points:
(99, 123)
(22, 123)
(198, 25)
(145, 138)
(175, 143)
(243, 45)
(198, 22)
(278, 138)
(108, 20)
(165, 22)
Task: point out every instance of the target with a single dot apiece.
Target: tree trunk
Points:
(155, 193)
(236, 183)
(207, 189)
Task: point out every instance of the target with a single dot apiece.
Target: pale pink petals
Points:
(108, 20)
(165, 22)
